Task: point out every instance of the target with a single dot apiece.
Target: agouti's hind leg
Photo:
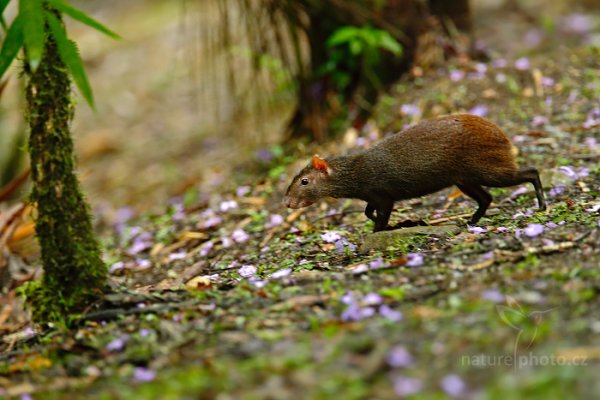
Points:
(532, 176)
(369, 210)
(481, 196)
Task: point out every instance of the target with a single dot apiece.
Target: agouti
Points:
(463, 150)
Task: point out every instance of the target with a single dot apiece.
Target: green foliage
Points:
(354, 49)
(28, 31)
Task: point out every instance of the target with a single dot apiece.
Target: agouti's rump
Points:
(463, 150)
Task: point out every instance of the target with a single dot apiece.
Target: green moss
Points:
(74, 274)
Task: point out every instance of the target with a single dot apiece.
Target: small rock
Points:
(384, 239)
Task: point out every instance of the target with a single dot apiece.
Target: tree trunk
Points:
(74, 273)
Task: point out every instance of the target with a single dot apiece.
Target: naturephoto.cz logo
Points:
(527, 326)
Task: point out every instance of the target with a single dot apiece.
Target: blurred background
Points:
(197, 87)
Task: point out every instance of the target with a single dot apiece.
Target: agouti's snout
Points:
(463, 150)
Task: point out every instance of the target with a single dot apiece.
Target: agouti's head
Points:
(309, 185)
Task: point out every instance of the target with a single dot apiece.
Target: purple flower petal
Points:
(241, 191)
(533, 230)
(247, 270)
(239, 235)
(476, 230)
(117, 344)
(141, 374)
(479, 110)
(457, 75)
(372, 299)
(539, 120)
(493, 295)
(331, 236)
(119, 265)
(594, 208)
(556, 190)
(411, 110)
(177, 256)
(522, 64)
(399, 357)
(390, 314)
(414, 260)
(453, 385)
(275, 220)
(406, 386)
(281, 273)
(228, 205)
(375, 264)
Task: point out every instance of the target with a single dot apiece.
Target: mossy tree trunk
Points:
(74, 274)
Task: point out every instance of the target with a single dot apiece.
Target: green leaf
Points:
(11, 45)
(67, 49)
(3, 4)
(82, 17)
(33, 30)
(387, 42)
(342, 35)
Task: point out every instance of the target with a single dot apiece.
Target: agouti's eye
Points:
(304, 182)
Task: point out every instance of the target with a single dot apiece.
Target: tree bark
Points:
(74, 273)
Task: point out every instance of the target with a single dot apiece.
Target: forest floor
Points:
(229, 295)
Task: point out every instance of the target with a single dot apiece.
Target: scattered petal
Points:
(141, 374)
(388, 313)
(414, 260)
(247, 270)
(493, 295)
(477, 230)
(539, 120)
(241, 191)
(275, 220)
(331, 236)
(556, 190)
(239, 235)
(177, 256)
(522, 64)
(411, 110)
(399, 357)
(479, 110)
(533, 230)
(457, 75)
(281, 273)
(406, 386)
(228, 205)
(372, 299)
(117, 344)
(119, 265)
(453, 385)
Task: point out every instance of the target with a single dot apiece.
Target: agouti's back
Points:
(463, 150)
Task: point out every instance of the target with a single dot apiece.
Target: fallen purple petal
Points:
(556, 190)
(119, 265)
(479, 110)
(477, 230)
(372, 299)
(493, 295)
(331, 236)
(406, 386)
(411, 110)
(453, 385)
(533, 230)
(241, 191)
(141, 374)
(228, 205)
(275, 220)
(522, 64)
(360, 268)
(239, 235)
(594, 208)
(390, 314)
(117, 344)
(457, 75)
(539, 120)
(376, 264)
(247, 270)
(399, 357)
(414, 260)
(177, 256)
(281, 273)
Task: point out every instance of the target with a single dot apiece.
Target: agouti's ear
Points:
(320, 164)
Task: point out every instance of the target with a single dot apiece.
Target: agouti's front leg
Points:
(384, 210)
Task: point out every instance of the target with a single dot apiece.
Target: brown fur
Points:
(463, 150)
